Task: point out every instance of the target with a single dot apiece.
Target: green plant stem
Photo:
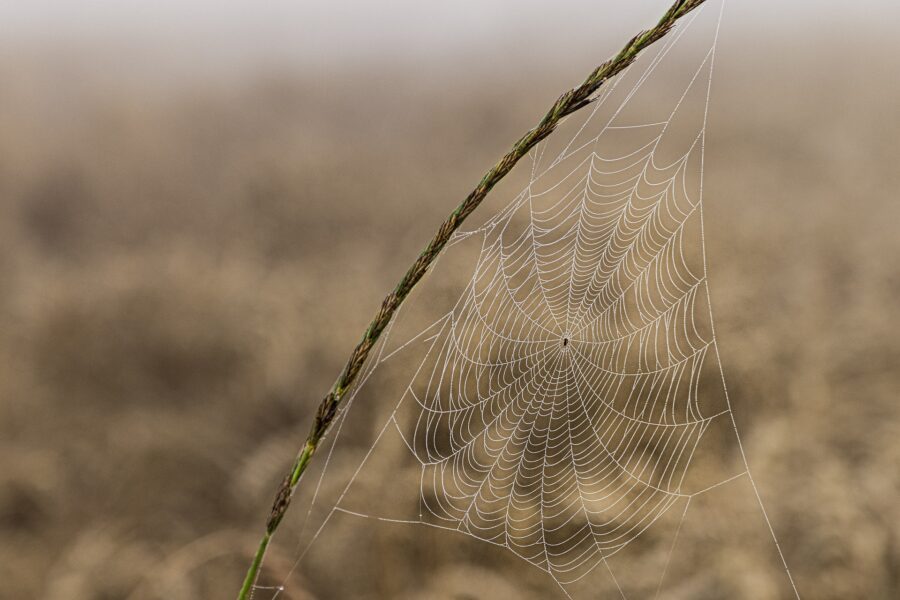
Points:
(565, 105)
(253, 571)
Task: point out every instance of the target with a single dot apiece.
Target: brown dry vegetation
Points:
(184, 266)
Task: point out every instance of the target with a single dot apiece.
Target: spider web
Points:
(557, 407)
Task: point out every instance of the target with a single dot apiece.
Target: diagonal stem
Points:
(568, 103)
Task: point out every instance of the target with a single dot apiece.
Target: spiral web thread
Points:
(558, 406)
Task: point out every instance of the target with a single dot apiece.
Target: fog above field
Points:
(235, 34)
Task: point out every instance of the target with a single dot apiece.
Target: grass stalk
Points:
(568, 103)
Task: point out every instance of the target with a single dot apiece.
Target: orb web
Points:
(556, 408)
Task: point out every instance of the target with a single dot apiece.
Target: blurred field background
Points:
(192, 239)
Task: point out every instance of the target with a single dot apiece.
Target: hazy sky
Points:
(330, 31)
